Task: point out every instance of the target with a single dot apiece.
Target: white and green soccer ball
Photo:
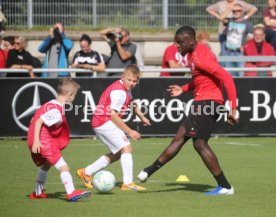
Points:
(104, 181)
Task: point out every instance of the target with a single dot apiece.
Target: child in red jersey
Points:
(48, 135)
(110, 128)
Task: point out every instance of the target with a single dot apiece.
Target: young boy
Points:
(48, 135)
(112, 130)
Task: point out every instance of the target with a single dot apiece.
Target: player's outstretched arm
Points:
(115, 118)
(139, 113)
(37, 145)
(229, 85)
(175, 90)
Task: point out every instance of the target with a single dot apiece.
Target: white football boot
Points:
(142, 176)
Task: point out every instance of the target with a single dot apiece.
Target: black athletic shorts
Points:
(202, 118)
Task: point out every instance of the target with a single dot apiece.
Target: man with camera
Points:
(56, 47)
(122, 50)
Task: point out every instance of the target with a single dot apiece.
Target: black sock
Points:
(153, 168)
(222, 181)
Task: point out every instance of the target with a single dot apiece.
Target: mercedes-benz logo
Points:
(35, 105)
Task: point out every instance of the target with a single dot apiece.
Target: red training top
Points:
(115, 97)
(208, 77)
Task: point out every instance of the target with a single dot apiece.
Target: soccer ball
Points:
(104, 181)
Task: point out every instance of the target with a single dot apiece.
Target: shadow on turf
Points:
(59, 196)
(182, 187)
(56, 195)
(104, 193)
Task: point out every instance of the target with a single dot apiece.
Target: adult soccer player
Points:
(208, 77)
(111, 129)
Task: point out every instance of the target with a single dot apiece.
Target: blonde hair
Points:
(22, 41)
(67, 85)
(259, 26)
(133, 69)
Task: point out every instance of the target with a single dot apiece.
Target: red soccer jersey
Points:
(3, 58)
(208, 77)
(115, 97)
(171, 53)
(54, 131)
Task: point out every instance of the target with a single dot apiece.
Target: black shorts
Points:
(202, 118)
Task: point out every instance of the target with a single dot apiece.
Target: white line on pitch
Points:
(243, 144)
(59, 183)
(150, 181)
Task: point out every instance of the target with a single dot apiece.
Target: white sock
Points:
(127, 168)
(41, 178)
(67, 180)
(99, 164)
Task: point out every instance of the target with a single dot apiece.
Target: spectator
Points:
(37, 65)
(86, 58)
(237, 31)
(3, 21)
(3, 60)
(203, 37)
(36, 62)
(122, 50)
(269, 15)
(220, 8)
(139, 58)
(56, 47)
(8, 43)
(173, 59)
(19, 58)
(258, 47)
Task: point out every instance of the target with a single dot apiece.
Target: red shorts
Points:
(50, 152)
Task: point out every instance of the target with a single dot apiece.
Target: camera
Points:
(114, 35)
(56, 32)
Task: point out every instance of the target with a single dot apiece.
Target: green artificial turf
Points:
(248, 163)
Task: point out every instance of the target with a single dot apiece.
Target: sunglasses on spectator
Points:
(18, 43)
(237, 11)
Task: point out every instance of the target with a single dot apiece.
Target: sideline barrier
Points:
(20, 98)
(144, 70)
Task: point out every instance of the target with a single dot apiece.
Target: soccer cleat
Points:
(41, 196)
(221, 191)
(77, 194)
(132, 187)
(143, 176)
(87, 180)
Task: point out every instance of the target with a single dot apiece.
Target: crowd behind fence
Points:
(146, 14)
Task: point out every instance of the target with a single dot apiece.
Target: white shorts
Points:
(113, 137)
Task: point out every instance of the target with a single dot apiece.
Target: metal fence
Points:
(146, 14)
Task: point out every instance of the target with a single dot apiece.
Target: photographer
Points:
(122, 50)
(56, 47)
